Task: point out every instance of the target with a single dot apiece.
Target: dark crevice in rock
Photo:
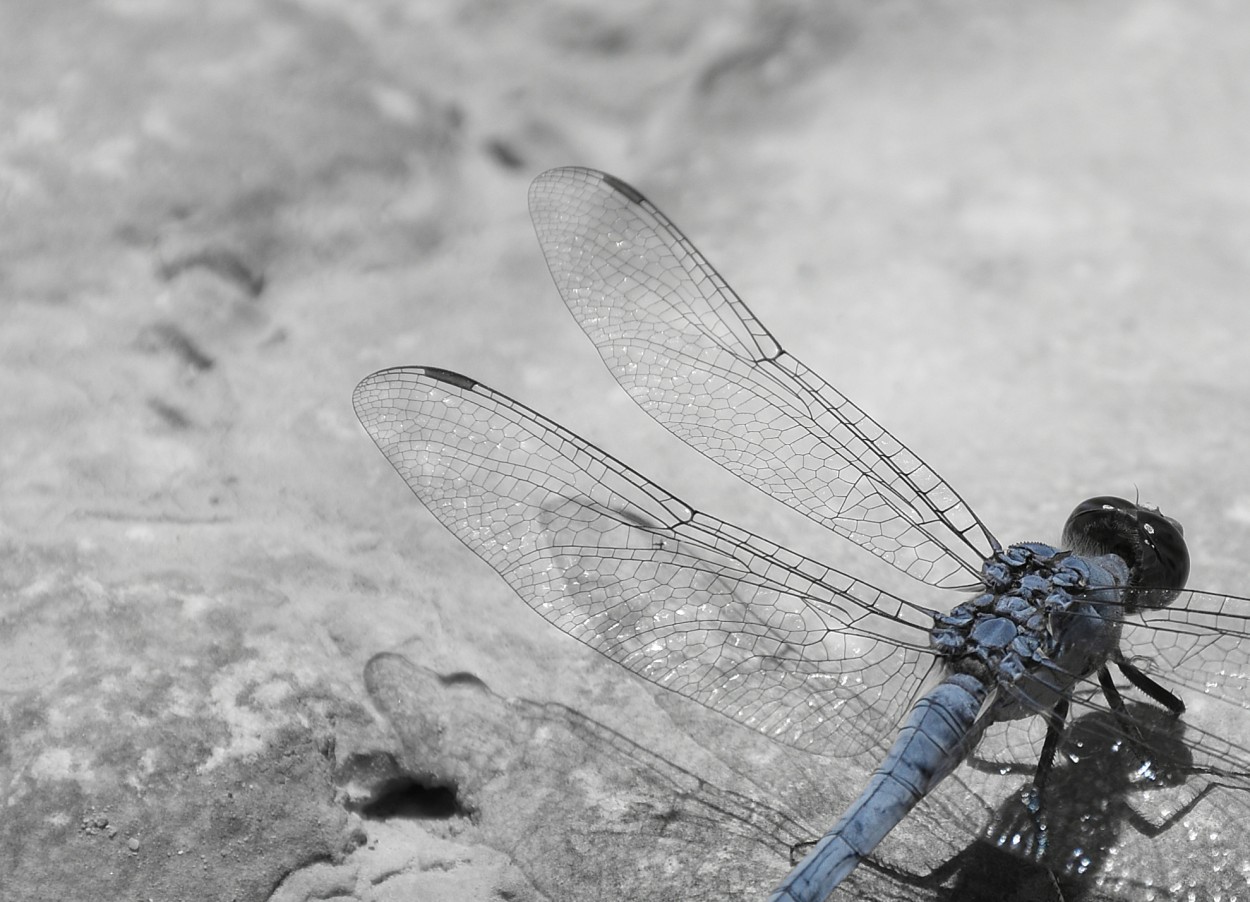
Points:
(503, 153)
(168, 337)
(413, 799)
(463, 678)
(222, 262)
(171, 415)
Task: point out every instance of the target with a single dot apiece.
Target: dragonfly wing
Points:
(1201, 642)
(691, 353)
(776, 641)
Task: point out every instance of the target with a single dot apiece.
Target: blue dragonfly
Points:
(808, 654)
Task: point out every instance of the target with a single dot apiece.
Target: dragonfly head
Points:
(1152, 545)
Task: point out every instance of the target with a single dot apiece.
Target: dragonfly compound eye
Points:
(1151, 544)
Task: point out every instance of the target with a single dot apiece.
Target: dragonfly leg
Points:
(1132, 730)
(1054, 729)
(1148, 686)
(1034, 793)
(1116, 702)
(1111, 692)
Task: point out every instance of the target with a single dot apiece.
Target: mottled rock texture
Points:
(1016, 233)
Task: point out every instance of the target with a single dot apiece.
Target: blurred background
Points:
(1014, 233)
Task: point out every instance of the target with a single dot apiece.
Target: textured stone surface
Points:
(1014, 233)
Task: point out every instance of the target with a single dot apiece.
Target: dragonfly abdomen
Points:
(936, 738)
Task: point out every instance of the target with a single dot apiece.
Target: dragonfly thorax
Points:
(1010, 628)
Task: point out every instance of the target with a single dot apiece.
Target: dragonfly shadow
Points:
(1102, 790)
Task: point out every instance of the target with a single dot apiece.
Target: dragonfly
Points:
(811, 655)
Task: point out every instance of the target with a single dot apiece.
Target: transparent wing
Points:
(806, 654)
(688, 350)
(1201, 641)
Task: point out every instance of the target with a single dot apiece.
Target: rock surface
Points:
(1014, 233)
